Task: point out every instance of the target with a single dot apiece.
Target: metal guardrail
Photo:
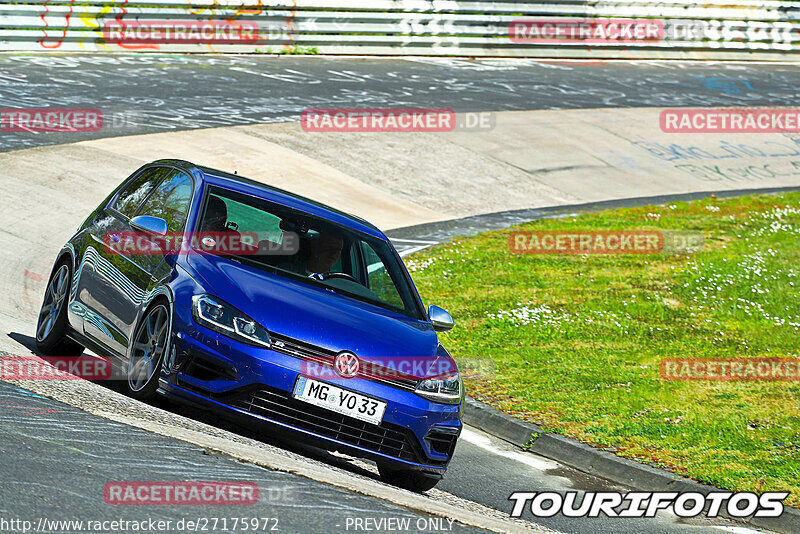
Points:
(714, 29)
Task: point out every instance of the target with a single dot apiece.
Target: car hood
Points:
(318, 316)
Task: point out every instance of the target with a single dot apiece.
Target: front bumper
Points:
(254, 384)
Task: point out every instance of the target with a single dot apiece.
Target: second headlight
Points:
(448, 390)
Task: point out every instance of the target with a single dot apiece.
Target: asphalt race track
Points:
(57, 458)
(152, 93)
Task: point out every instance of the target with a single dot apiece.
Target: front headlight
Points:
(448, 390)
(221, 317)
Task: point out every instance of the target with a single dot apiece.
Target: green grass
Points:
(576, 340)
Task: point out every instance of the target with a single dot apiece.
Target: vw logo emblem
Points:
(346, 364)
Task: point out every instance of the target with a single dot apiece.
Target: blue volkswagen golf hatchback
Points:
(233, 296)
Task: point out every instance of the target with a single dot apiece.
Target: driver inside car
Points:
(320, 256)
(324, 252)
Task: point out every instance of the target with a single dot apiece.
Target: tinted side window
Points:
(129, 199)
(170, 201)
(380, 282)
(249, 219)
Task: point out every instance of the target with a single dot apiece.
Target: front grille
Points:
(274, 404)
(306, 351)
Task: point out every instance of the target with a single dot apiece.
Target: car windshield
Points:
(296, 245)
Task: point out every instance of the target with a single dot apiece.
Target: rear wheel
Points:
(51, 327)
(147, 354)
(411, 480)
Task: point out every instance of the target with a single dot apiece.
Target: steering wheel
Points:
(330, 275)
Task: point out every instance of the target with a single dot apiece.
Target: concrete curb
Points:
(603, 464)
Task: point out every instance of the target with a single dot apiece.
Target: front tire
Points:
(410, 480)
(51, 327)
(150, 344)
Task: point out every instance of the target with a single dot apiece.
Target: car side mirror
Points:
(440, 319)
(151, 225)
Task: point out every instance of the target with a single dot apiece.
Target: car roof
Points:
(273, 194)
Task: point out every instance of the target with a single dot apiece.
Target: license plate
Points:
(339, 400)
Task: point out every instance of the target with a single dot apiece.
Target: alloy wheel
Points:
(54, 300)
(148, 348)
